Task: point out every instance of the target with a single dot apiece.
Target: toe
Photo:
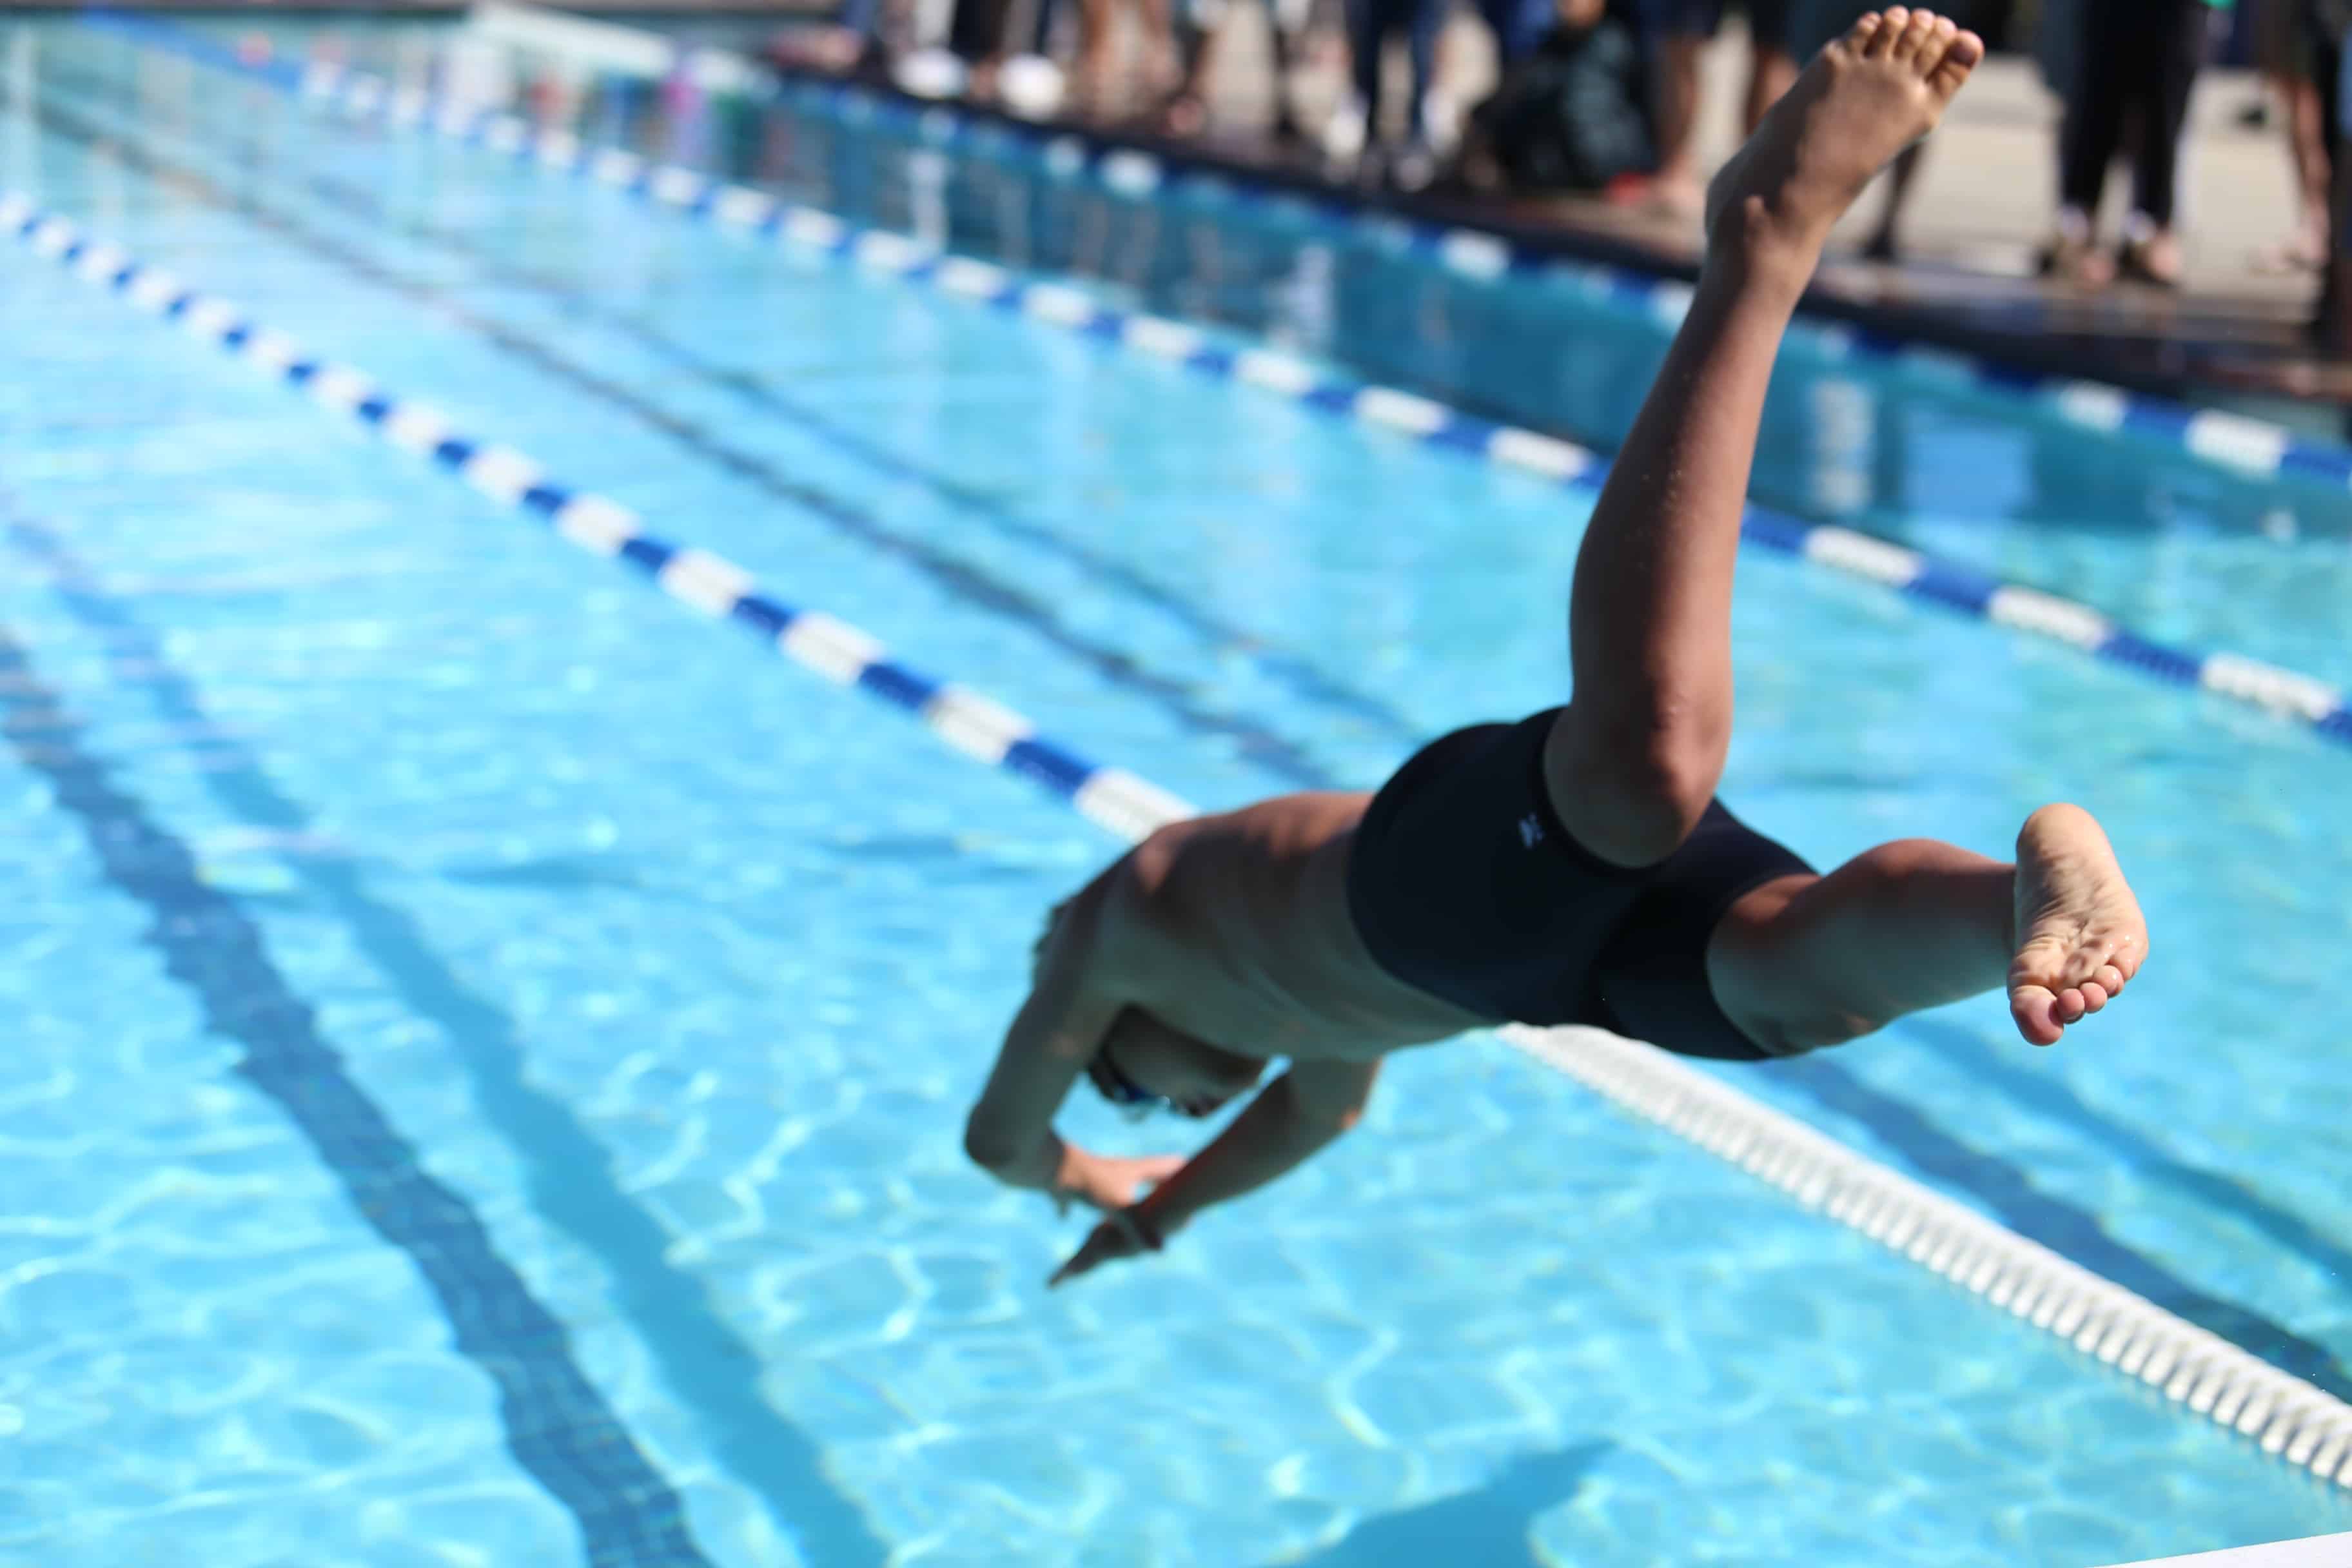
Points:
(2035, 1011)
(2095, 996)
(2110, 978)
(1933, 48)
(1914, 37)
(1961, 56)
(1891, 24)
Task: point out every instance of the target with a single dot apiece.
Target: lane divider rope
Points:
(2194, 1367)
(2254, 448)
(2284, 693)
(2237, 443)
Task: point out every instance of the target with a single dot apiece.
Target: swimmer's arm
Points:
(1010, 1133)
(1298, 1115)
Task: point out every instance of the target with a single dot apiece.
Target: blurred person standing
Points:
(2330, 23)
(2131, 63)
(1201, 28)
(1095, 85)
(1682, 28)
(1356, 132)
(2302, 55)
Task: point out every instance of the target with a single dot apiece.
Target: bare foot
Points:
(1676, 193)
(2080, 936)
(1865, 98)
(2156, 259)
(2072, 258)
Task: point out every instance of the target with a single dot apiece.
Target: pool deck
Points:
(2315, 1552)
(2233, 334)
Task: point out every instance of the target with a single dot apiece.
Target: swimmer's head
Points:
(1144, 1065)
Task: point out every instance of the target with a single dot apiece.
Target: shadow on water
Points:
(1489, 1526)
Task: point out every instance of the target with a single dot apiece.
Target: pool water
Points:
(494, 1048)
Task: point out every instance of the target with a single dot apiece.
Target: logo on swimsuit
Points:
(1530, 830)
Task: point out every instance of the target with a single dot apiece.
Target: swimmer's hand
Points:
(1128, 1233)
(1109, 1182)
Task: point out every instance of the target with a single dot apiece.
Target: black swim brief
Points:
(1464, 883)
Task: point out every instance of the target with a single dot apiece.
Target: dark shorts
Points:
(1464, 883)
(1768, 20)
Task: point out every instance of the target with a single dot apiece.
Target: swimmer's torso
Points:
(1251, 945)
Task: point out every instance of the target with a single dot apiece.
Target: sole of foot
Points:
(2080, 933)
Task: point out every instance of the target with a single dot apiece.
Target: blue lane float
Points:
(1115, 799)
(2254, 447)
(744, 209)
(2193, 1367)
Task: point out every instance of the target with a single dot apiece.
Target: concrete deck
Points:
(1984, 202)
(2318, 1552)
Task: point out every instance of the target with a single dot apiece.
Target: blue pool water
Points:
(493, 1047)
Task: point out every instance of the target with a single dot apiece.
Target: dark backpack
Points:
(1575, 114)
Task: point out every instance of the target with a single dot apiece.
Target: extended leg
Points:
(1804, 963)
(1633, 761)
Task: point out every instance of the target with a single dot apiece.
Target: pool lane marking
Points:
(709, 1369)
(699, 579)
(2235, 443)
(557, 1425)
(2195, 1367)
(2243, 446)
(1226, 638)
(2002, 1190)
(1251, 740)
(2281, 692)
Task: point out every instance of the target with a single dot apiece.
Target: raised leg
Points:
(1633, 761)
(1804, 963)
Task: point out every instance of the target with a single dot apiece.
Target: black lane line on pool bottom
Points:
(1252, 741)
(557, 1425)
(2005, 1190)
(2045, 1096)
(2049, 1096)
(703, 1361)
(756, 391)
(2076, 1234)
